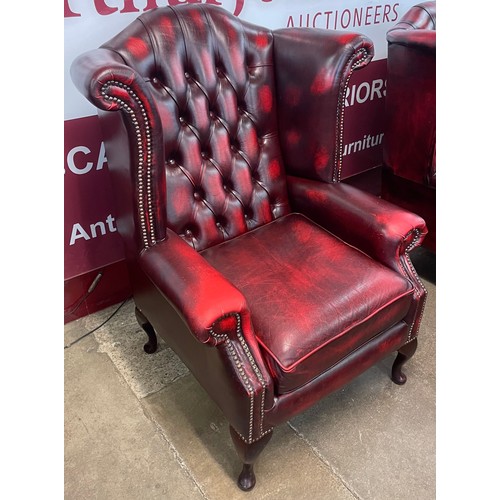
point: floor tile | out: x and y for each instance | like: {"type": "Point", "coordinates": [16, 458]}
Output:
{"type": "Point", "coordinates": [112, 450]}
{"type": "Point", "coordinates": [287, 468]}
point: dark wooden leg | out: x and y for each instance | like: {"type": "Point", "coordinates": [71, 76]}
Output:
{"type": "Point", "coordinates": [404, 354]}
{"type": "Point", "coordinates": [152, 344]}
{"type": "Point", "coordinates": [248, 454]}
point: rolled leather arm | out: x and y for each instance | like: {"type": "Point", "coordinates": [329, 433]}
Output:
{"type": "Point", "coordinates": [211, 306]}
{"type": "Point", "coordinates": [106, 81]}
{"type": "Point", "coordinates": [217, 314]}
{"type": "Point", "coordinates": [381, 229]}
{"type": "Point", "coordinates": [416, 39]}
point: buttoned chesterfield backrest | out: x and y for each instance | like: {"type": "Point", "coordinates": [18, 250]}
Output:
{"type": "Point", "coordinates": [220, 150]}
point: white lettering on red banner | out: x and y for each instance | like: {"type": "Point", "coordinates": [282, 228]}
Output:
{"type": "Point", "coordinates": [368, 141]}
{"type": "Point", "coordinates": [94, 231]}
{"type": "Point", "coordinates": [77, 159]}
{"type": "Point", "coordinates": [365, 91]}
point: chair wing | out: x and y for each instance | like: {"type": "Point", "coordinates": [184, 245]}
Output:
{"type": "Point", "coordinates": [409, 144]}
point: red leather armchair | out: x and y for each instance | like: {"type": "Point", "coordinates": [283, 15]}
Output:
{"type": "Point", "coordinates": [273, 283]}
{"type": "Point", "coordinates": [409, 144]}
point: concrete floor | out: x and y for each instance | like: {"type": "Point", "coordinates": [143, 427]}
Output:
{"type": "Point", "coordinates": [139, 426]}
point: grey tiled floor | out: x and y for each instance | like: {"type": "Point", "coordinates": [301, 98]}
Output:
{"type": "Point", "coordinates": [139, 426]}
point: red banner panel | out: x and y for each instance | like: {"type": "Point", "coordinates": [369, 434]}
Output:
{"type": "Point", "coordinates": [363, 125]}
{"type": "Point", "coordinates": [91, 240]}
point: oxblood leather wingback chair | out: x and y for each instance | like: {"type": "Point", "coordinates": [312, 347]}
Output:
{"type": "Point", "coordinates": [275, 284]}
{"type": "Point", "coordinates": [409, 145]}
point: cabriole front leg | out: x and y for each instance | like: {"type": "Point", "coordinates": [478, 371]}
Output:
{"type": "Point", "coordinates": [248, 453]}
{"type": "Point", "coordinates": [404, 354]}
{"type": "Point", "coordinates": [152, 344]}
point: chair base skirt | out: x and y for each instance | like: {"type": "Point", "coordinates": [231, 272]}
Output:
{"type": "Point", "coordinates": [291, 404]}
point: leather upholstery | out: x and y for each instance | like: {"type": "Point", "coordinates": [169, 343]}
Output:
{"type": "Point", "coordinates": [321, 299]}
{"type": "Point", "coordinates": [274, 283]}
{"type": "Point", "coordinates": [409, 145]}
{"type": "Point", "coordinates": [217, 109]}
{"type": "Point", "coordinates": [293, 403]}
{"type": "Point", "coordinates": [312, 80]}
{"type": "Point", "coordinates": [419, 17]}
{"type": "Point", "coordinates": [380, 229]}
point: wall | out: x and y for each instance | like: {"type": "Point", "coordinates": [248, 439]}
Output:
{"type": "Point", "coordinates": [91, 241]}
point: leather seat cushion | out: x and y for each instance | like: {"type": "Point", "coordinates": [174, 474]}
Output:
{"type": "Point", "coordinates": [313, 298]}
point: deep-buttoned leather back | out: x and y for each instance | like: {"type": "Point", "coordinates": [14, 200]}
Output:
{"type": "Point", "coordinates": [212, 78]}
